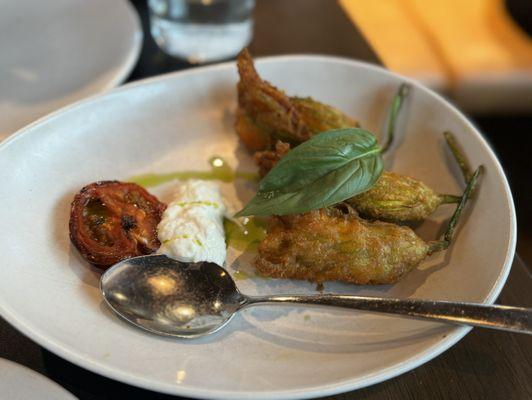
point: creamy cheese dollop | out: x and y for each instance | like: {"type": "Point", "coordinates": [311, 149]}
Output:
{"type": "Point", "coordinates": [191, 228]}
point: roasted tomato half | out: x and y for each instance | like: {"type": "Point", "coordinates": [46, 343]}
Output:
{"type": "Point", "coordinates": [111, 221]}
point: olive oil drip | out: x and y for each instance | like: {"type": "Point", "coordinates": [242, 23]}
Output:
{"type": "Point", "coordinates": [245, 235]}
{"type": "Point", "coordinates": [240, 276]}
{"type": "Point", "coordinates": [220, 170]}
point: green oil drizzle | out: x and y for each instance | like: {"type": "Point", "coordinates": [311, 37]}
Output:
{"type": "Point", "coordinates": [199, 203]}
{"type": "Point", "coordinates": [185, 236]}
{"type": "Point", "coordinates": [245, 235]}
{"type": "Point", "coordinates": [240, 276]}
{"type": "Point", "coordinates": [220, 170]}
{"type": "Point", "coordinates": [176, 238]}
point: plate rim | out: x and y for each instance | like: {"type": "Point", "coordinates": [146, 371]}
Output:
{"type": "Point", "coordinates": [454, 335]}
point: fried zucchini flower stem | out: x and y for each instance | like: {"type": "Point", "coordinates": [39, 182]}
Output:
{"type": "Point", "coordinates": [459, 156]}
{"type": "Point", "coordinates": [397, 102]}
{"type": "Point", "coordinates": [446, 240]}
{"type": "Point", "coordinates": [462, 162]}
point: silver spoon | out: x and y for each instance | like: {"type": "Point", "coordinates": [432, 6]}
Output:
{"type": "Point", "coordinates": [188, 300]}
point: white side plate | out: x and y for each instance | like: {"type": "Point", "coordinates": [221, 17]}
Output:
{"type": "Point", "coordinates": [21, 383]}
{"type": "Point", "coordinates": [60, 51]}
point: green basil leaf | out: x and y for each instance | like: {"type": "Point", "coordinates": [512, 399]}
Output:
{"type": "Point", "coordinates": [327, 169]}
{"type": "Point", "coordinates": [317, 157]}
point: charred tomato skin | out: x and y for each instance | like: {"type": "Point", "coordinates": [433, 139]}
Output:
{"type": "Point", "coordinates": [112, 220]}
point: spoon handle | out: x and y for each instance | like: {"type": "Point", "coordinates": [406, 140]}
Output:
{"type": "Point", "coordinates": [506, 318]}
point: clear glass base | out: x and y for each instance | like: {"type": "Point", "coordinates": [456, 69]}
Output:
{"type": "Point", "coordinates": [201, 42]}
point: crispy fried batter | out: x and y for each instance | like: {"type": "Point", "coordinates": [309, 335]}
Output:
{"type": "Point", "coordinates": [266, 114]}
{"type": "Point", "coordinates": [253, 137]}
{"type": "Point", "coordinates": [268, 158]}
{"type": "Point", "coordinates": [321, 117]}
{"type": "Point", "coordinates": [396, 197]}
{"type": "Point", "coordinates": [330, 245]}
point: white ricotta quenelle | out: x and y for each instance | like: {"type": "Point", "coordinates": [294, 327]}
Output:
{"type": "Point", "coordinates": [191, 228]}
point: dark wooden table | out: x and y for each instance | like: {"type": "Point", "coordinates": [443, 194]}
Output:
{"type": "Point", "coordinates": [485, 364]}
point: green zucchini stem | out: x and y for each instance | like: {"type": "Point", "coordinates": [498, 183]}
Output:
{"type": "Point", "coordinates": [397, 102]}
{"type": "Point", "coordinates": [458, 155]}
{"type": "Point", "coordinates": [446, 240]}
{"type": "Point", "coordinates": [462, 162]}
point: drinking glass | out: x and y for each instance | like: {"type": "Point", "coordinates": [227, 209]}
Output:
{"type": "Point", "coordinates": [201, 30]}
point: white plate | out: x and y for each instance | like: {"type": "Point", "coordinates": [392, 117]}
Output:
{"type": "Point", "coordinates": [60, 51]}
{"type": "Point", "coordinates": [175, 122]}
{"type": "Point", "coordinates": [21, 383]}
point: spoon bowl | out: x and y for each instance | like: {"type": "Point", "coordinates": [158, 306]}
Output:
{"type": "Point", "coordinates": [172, 298]}
{"type": "Point", "coordinates": [188, 300]}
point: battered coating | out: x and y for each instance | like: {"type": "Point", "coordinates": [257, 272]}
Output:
{"type": "Point", "coordinates": [266, 159]}
{"type": "Point", "coordinates": [266, 114]}
{"type": "Point", "coordinates": [320, 117]}
{"type": "Point", "coordinates": [398, 198]}
{"type": "Point", "coordinates": [335, 245]}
